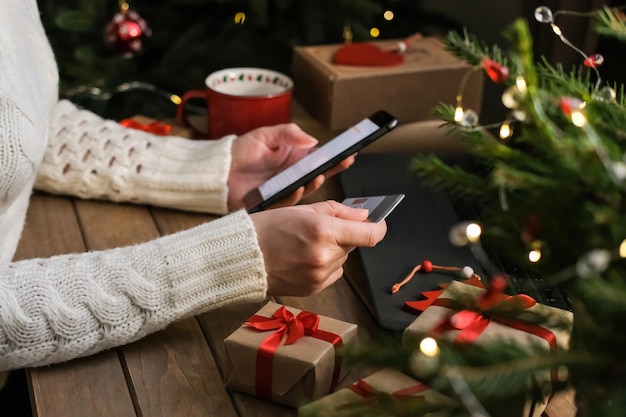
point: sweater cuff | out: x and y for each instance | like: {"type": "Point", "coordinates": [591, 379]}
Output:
{"type": "Point", "coordinates": [216, 264]}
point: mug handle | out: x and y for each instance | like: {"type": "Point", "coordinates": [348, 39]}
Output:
{"type": "Point", "coordinates": [180, 111]}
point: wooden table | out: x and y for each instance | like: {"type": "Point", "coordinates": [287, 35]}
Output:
{"type": "Point", "coordinates": [177, 371]}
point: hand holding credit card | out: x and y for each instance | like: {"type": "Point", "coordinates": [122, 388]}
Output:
{"type": "Point", "coordinates": [379, 206]}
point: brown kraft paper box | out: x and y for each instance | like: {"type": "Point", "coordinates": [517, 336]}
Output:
{"type": "Point", "coordinates": [338, 96]}
{"type": "Point", "coordinates": [301, 372]}
{"type": "Point", "coordinates": [387, 380]}
{"type": "Point", "coordinates": [435, 314]}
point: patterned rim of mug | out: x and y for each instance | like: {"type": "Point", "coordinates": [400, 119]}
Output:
{"type": "Point", "coordinates": [257, 75]}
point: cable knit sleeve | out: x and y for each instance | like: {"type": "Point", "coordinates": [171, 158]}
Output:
{"type": "Point", "coordinates": [56, 309]}
{"type": "Point", "coordinates": [94, 158]}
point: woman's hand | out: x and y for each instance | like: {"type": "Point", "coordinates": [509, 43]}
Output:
{"type": "Point", "coordinates": [262, 153]}
{"type": "Point", "coordinates": [304, 247]}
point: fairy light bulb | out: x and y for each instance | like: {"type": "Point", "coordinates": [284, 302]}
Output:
{"type": "Point", "coordinates": [520, 83]}
{"type": "Point", "coordinates": [535, 253]}
{"type": "Point", "coordinates": [429, 347]}
{"type": "Point", "coordinates": [473, 232]}
{"type": "Point", "coordinates": [622, 249]}
{"type": "Point", "coordinates": [557, 30]}
{"type": "Point", "coordinates": [578, 118]}
{"type": "Point", "coordinates": [593, 262]}
{"type": "Point", "coordinates": [388, 15]}
{"type": "Point", "coordinates": [374, 32]}
{"type": "Point", "coordinates": [458, 113]}
{"type": "Point", "coordinates": [505, 130]}
{"type": "Point", "coordinates": [240, 18]}
{"type": "Point", "coordinates": [544, 15]}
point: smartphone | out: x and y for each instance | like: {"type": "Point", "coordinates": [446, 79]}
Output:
{"type": "Point", "coordinates": [319, 161]}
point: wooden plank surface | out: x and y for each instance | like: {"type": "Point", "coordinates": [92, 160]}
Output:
{"type": "Point", "coordinates": [172, 373]}
{"type": "Point", "coordinates": [66, 389]}
{"type": "Point", "coordinates": [177, 371]}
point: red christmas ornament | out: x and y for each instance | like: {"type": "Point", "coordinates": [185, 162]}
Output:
{"type": "Point", "coordinates": [127, 33]}
{"type": "Point", "coordinates": [496, 71]}
{"type": "Point", "coordinates": [567, 104]}
{"type": "Point", "coordinates": [594, 61]}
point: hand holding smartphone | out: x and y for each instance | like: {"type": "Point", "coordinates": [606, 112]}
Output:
{"type": "Point", "coordinates": [319, 161]}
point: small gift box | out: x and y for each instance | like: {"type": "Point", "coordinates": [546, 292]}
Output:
{"type": "Point", "coordinates": [286, 355]}
{"type": "Point", "coordinates": [447, 314]}
{"type": "Point", "coordinates": [364, 395]}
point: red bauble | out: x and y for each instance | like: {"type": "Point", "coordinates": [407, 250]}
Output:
{"type": "Point", "coordinates": [496, 71]}
{"type": "Point", "coordinates": [594, 61]}
{"type": "Point", "coordinates": [427, 266]}
{"type": "Point", "coordinates": [127, 33]}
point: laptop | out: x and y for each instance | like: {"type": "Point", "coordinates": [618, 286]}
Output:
{"type": "Point", "coordinates": [418, 230]}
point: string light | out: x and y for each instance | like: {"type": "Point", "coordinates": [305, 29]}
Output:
{"type": "Point", "coordinates": [388, 15]}
{"type": "Point", "coordinates": [465, 232]}
{"type": "Point", "coordinates": [506, 130]}
{"type": "Point", "coordinates": [374, 32]}
{"type": "Point", "coordinates": [544, 15]}
{"type": "Point", "coordinates": [240, 18]}
{"type": "Point", "coordinates": [429, 347]}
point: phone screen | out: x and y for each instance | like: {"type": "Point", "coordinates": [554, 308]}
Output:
{"type": "Point", "coordinates": [320, 160]}
{"type": "Point", "coordinates": [317, 158]}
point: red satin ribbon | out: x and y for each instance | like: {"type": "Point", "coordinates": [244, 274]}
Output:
{"type": "Point", "coordinates": [365, 390]}
{"type": "Point", "coordinates": [471, 323]}
{"type": "Point", "coordinates": [293, 328]}
{"type": "Point", "coordinates": [156, 128]}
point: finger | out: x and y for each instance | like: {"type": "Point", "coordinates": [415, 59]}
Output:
{"type": "Point", "coordinates": [313, 185]}
{"type": "Point", "coordinates": [291, 199]}
{"type": "Point", "coordinates": [291, 134]}
{"type": "Point", "coordinates": [343, 165]}
{"type": "Point", "coordinates": [342, 211]}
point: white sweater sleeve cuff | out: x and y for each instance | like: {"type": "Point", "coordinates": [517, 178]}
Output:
{"type": "Point", "coordinates": [90, 157]}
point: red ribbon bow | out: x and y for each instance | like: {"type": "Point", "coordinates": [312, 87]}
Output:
{"type": "Point", "coordinates": [472, 323]}
{"type": "Point", "coordinates": [157, 128]}
{"type": "Point", "coordinates": [293, 328]}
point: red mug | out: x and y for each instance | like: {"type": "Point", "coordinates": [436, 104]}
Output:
{"type": "Point", "coordinates": [241, 99]}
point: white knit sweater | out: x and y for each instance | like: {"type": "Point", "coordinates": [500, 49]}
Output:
{"type": "Point", "coordinates": [68, 306]}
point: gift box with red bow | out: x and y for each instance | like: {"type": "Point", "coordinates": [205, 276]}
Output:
{"type": "Point", "coordinates": [470, 313]}
{"type": "Point", "coordinates": [369, 392]}
{"type": "Point", "coordinates": [287, 355]}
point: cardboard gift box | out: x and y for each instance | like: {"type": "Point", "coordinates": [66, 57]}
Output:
{"type": "Point", "coordinates": [338, 96]}
{"type": "Point", "coordinates": [287, 355]}
{"type": "Point", "coordinates": [445, 317]}
{"type": "Point", "coordinates": [386, 381]}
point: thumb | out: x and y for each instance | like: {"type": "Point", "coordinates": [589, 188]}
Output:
{"type": "Point", "coordinates": [291, 134]}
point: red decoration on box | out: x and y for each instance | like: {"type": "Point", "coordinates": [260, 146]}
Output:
{"type": "Point", "coordinates": [157, 128]}
{"type": "Point", "coordinates": [291, 328]}
{"type": "Point", "coordinates": [366, 54]}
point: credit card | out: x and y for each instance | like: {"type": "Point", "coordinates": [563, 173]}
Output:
{"type": "Point", "coordinates": [379, 206]}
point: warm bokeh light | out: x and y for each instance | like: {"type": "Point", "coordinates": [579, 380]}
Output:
{"type": "Point", "coordinates": [458, 114]}
{"type": "Point", "coordinates": [374, 32]}
{"type": "Point", "coordinates": [473, 232]}
{"type": "Point", "coordinates": [429, 347]}
{"type": "Point", "coordinates": [388, 15]}
{"type": "Point", "coordinates": [240, 17]}
{"type": "Point", "coordinates": [622, 249]}
{"type": "Point", "coordinates": [578, 118]}
{"type": "Point", "coordinates": [534, 255]}
{"type": "Point", "coordinates": [505, 130]}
